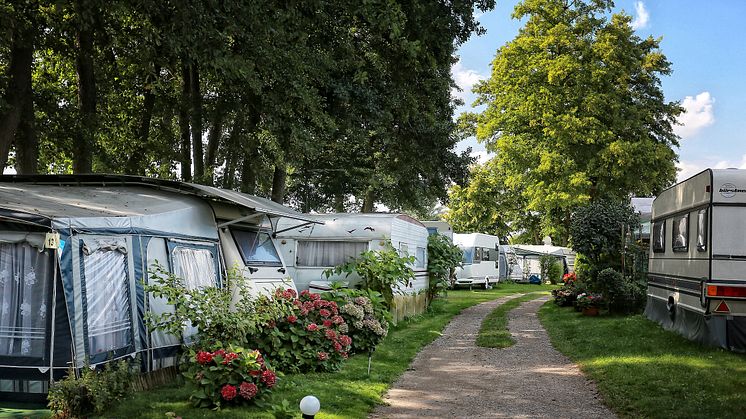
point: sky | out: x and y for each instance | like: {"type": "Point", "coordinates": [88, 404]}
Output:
{"type": "Point", "coordinates": [704, 40]}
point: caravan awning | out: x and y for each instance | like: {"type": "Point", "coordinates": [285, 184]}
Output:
{"type": "Point", "coordinates": [251, 202]}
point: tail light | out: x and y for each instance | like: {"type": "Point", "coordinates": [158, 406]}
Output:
{"type": "Point", "coordinates": [726, 291]}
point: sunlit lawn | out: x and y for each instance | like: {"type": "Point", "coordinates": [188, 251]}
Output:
{"type": "Point", "coordinates": [350, 393]}
{"type": "Point", "coordinates": [644, 371]}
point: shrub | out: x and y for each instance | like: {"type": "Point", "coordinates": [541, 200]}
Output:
{"type": "Point", "coordinates": [587, 300]}
{"type": "Point", "coordinates": [227, 376]}
{"type": "Point", "coordinates": [554, 273]}
{"type": "Point", "coordinates": [209, 309]}
{"type": "Point", "coordinates": [380, 270]}
{"type": "Point", "coordinates": [366, 316]}
{"type": "Point", "coordinates": [91, 393]}
{"type": "Point", "coordinates": [443, 257]}
{"type": "Point", "coordinates": [624, 294]}
{"type": "Point", "coordinates": [304, 333]}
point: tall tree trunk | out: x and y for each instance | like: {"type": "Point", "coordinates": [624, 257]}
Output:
{"type": "Point", "coordinates": [369, 200]}
{"type": "Point", "coordinates": [135, 163]}
{"type": "Point", "coordinates": [339, 202]}
{"type": "Point", "coordinates": [248, 175]}
{"type": "Point", "coordinates": [186, 142]}
{"type": "Point", "coordinates": [27, 142]}
{"type": "Point", "coordinates": [213, 141]}
{"type": "Point", "coordinates": [83, 141]}
{"type": "Point", "coordinates": [279, 178]}
{"type": "Point", "coordinates": [19, 75]}
{"type": "Point", "coordinates": [199, 165]}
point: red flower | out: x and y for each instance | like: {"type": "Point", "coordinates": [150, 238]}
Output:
{"type": "Point", "coordinates": [305, 293]}
{"type": "Point", "coordinates": [269, 378]}
{"type": "Point", "coordinates": [312, 327]}
{"type": "Point", "coordinates": [337, 346]}
{"type": "Point", "coordinates": [325, 313]}
{"type": "Point", "coordinates": [345, 340]}
{"type": "Point", "coordinates": [248, 390]}
{"type": "Point", "coordinates": [315, 297]}
{"type": "Point", "coordinates": [327, 323]}
{"type": "Point", "coordinates": [204, 357]}
{"type": "Point", "coordinates": [338, 320]}
{"type": "Point", "coordinates": [228, 392]}
{"type": "Point", "coordinates": [330, 334]}
{"type": "Point", "coordinates": [323, 356]}
{"type": "Point", "coordinates": [230, 356]}
{"type": "Point", "coordinates": [255, 373]}
{"type": "Point", "coordinates": [292, 319]}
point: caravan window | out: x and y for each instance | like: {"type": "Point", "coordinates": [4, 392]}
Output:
{"type": "Point", "coordinates": [326, 254]}
{"type": "Point", "coordinates": [659, 236]}
{"type": "Point", "coordinates": [257, 248]}
{"type": "Point", "coordinates": [702, 230]}
{"type": "Point", "coordinates": [195, 266]}
{"type": "Point", "coordinates": [680, 233]}
{"type": "Point", "coordinates": [486, 256]}
{"type": "Point", "coordinates": [477, 254]}
{"type": "Point", "coordinates": [468, 255]}
{"type": "Point", "coordinates": [107, 296]}
{"type": "Point", "coordinates": [24, 291]}
{"type": "Point", "coordinates": [421, 258]}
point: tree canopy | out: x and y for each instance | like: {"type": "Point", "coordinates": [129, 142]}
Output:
{"type": "Point", "coordinates": [319, 104]}
{"type": "Point", "coordinates": [575, 112]}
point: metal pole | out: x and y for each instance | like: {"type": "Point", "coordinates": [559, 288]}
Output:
{"type": "Point", "coordinates": [54, 319]}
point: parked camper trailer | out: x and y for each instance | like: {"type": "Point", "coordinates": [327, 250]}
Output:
{"type": "Point", "coordinates": [311, 249]}
{"type": "Point", "coordinates": [481, 259]}
{"type": "Point", "coordinates": [73, 252]}
{"type": "Point", "coordinates": [439, 227]}
{"type": "Point", "coordinates": [529, 257]}
{"type": "Point", "coordinates": [697, 264]}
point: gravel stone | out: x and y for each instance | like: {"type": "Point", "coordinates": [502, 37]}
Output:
{"type": "Point", "coordinates": [454, 378]}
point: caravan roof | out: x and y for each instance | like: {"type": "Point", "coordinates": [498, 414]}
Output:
{"type": "Point", "coordinates": [708, 186]}
{"type": "Point", "coordinates": [103, 196]}
{"type": "Point", "coordinates": [369, 225]}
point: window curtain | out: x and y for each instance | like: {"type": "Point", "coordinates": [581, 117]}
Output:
{"type": "Point", "coordinates": [107, 296]}
{"type": "Point", "coordinates": [328, 253]}
{"type": "Point", "coordinates": [24, 293]}
{"type": "Point", "coordinates": [196, 267]}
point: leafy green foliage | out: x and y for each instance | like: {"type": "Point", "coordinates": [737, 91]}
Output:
{"type": "Point", "coordinates": [382, 271]}
{"type": "Point", "coordinates": [443, 257]}
{"type": "Point", "coordinates": [597, 232]}
{"type": "Point", "coordinates": [554, 272]}
{"type": "Point", "coordinates": [366, 315]}
{"type": "Point", "coordinates": [303, 333]}
{"type": "Point", "coordinates": [210, 309]}
{"type": "Point", "coordinates": [574, 110]}
{"type": "Point", "coordinates": [91, 393]}
{"type": "Point", "coordinates": [227, 376]}
{"type": "Point", "coordinates": [625, 295]}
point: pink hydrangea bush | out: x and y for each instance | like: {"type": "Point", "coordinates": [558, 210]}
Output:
{"type": "Point", "coordinates": [302, 332]}
{"type": "Point", "coordinates": [229, 376]}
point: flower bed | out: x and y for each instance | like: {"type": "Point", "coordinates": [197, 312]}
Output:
{"type": "Point", "coordinates": [303, 333]}
{"type": "Point", "coordinates": [229, 376]}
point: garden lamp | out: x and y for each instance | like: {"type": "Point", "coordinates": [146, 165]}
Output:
{"type": "Point", "coordinates": [309, 406]}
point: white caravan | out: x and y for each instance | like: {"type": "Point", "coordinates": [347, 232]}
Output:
{"type": "Point", "coordinates": [481, 259]}
{"type": "Point", "coordinates": [697, 264]}
{"type": "Point", "coordinates": [529, 256]}
{"type": "Point", "coordinates": [439, 227]}
{"type": "Point", "coordinates": [309, 250]}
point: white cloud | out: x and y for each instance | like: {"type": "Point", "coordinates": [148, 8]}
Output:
{"type": "Point", "coordinates": [688, 169]}
{"type": "Point", "coordinates": [698, 113]}
{"type": "Point", "coordinates": [482, 156]}
{"type": "Point", "coordinates": [465, 79]}
{"type": "Point", "coordinates": [642, 17]}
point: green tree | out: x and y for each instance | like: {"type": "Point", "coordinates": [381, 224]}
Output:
{"type": "Point", "coordinates": [488, 205]}
{"type": "Point", "coordinates": [575, 111]}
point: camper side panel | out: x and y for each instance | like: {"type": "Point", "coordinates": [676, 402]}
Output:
{"type": "Point", "coordinates": [411, 239]}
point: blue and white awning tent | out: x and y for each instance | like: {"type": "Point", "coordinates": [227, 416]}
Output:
{"type": "Point", "coordinates": [74, 252]}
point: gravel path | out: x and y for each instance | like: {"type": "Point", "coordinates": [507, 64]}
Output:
{"type": "Point", "coordinates": [452, 377]}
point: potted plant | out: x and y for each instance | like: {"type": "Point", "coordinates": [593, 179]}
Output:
{"type": "Point", "coordinates": [589, 303]}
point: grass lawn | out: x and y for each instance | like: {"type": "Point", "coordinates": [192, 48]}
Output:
{"type": "Point", "coordinates": [644, 371]}
{"type": "Point", "coordinates": [494, 331]}
{"type": "Point", "coordinates": [349, 393]}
